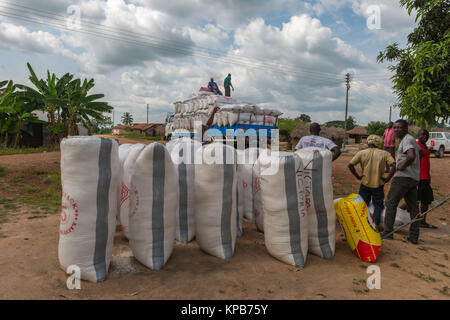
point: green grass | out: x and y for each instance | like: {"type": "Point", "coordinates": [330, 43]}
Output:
{"type": "Point", "coordinates": [444, 291]}
{"type": "Point", "coordinates": [9, 151]}
{"type": "Point", "coordinates": [135, 136]}
{"type": "Point", "coordinates": [445, 256]}
{"type": "Point", "coordinates": [395, 265]}
{"type": "Point", "coordinates": [40, 189]}
{"type": "Point", "coordinates": [2, 171]}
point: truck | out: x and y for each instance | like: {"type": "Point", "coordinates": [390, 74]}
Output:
{"type": "Point", "coordinates": [439, 143]}
{"type": "Point", "coordinates": [234, 119]}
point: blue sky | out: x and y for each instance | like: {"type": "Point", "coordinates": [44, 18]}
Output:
{"type": "Point", "coordinates": [290, 55]}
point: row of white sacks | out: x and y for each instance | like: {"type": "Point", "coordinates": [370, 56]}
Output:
{"type": "Point", "coordinates": [208, 102]}
{"type": "Point", "coordinates": [159, 198]}
{"type": "Point", "coordinates": [223, 119]}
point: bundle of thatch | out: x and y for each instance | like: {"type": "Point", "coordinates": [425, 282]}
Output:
{"type": "Point", "coordinates": [336, 135]}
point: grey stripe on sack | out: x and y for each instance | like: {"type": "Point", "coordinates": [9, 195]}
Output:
{"type": "Point", "coordinates": [101, 227]}
{"type": "Point", "coordinates": [158, 206]}
{"type": "Point", "coordinates": [227, 204]}
{"type": "Point", "coordinates": [183, 215]}
{"type": "Point", "coordinates": [319, 205]}
{"type": "Point", "coordinates": [293, 214]}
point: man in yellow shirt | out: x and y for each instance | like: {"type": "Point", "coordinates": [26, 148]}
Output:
{"type": "Point", "coordinates": [373, 164]}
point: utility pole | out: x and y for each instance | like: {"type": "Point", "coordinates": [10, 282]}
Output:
{"type": "Point", "coordinates": [113, 118]}
{"type": "Point", "coordinates": [347, 80]}
{"type": "Point", "coordinates": [390, 113]}
{"type": "Point", "coordinates": [147, 113]}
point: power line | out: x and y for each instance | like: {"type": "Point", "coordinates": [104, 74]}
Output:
{"type": "Point", "coordinates": [178, 45]}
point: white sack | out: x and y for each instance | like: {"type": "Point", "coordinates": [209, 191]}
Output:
{"type": "Point", "coordinates": [283, 203]}
{"type": "Point", "coordinates": [182, 152]}
{"type": "Point", "coordinates": [246, 160]}
{"type": "Point", "coordinates": [319, 201]}
{"type": "Point", "coordinates": [124, 150]}
{"type": "Point", "coordinates": [215, 201]}
{"type": "Point", "coordinates": [154, 203]}
{"type": "Point", "coordinates": [89, 177]}
{"type": "Point", "coordinates": [128, 168]}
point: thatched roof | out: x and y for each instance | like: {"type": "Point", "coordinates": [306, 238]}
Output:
{"type": "Point", "coordinates": [335, 134]}
{"type": "Point", "coordinates": [361, 131]}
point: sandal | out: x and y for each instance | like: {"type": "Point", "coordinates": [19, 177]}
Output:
{"type": "Point", "coordinates": [427, 225]}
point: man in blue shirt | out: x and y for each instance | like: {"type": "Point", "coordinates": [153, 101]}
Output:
{"type": "Point", "coordinates": [213, 87]}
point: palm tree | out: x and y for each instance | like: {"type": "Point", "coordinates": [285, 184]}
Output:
{"type": "Point", "coordinates": [66, 102]}
{"type": "Point", "coordinates": [127, 118]}
{"type": "Point", "coordinates": [50, 95]}
{"type": "Point", "coordinates": [82, 107]}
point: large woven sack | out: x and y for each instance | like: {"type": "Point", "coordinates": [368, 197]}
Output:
{"type": "Point", "coordinates": [283, 206]}
{"type": "Point", "coordinates": [124, 151]}
{"type": "Point", "coordinates": [245, 164]}
{"type": "Point", "coordinates": [128, 168]}
{"type": "Point", "coordinates": [215, 200]}
{"type": "Point", "coordinates": [182, 152]}
{"type": "Point", "coordinates": [319, 201]}
{"type": "Point", "coordinates": [89, 177]}
{"type": "Point", "coordinates": [153, 206]}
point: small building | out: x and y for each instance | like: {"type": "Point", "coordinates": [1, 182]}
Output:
{"type": "Point", "coordinates": [142, 129]}
{"type": "Point", "coordinates": [120, 130]}
{"type": "Point", "coordinates": [358, 133]}
{"type": "Point", "coordinates": [149, 129]}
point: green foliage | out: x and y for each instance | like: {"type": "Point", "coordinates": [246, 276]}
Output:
{"type": "Point", "coordinates": [304, 118]}
{"type": "Point", "coordinates": [127, 118]}
{"type": "Point", "coordinates": [66, 102]}
{"type": "Point", "coordinates": [288, 124]}
{"type": "Point", "coordinates": [376, 127]}
{"type": "Point", "coordinates": [351, 123]}
{"type": "Point", "coordinates": [422, 73]}
{"type": "Point", "coordinates": [135, 136]}
{"type": "Point", "coordinates": [99, 126]}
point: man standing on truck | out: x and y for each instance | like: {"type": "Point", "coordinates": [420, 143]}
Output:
{"type": "Point", "coordinates": [314, 140]}
{"type": "Point", "coordinates": [227, 84]}
{"type": "Point", "coordinates": [214, 88]}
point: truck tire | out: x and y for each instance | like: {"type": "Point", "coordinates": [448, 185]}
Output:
{"type": "Point", "coordinates": [441, 152]}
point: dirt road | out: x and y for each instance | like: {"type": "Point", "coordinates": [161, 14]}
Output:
{"type": "Point", "coordinates": [29, 267]}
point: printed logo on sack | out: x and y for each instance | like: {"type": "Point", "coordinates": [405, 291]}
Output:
{"type": "Point", "coordinates": [134, 199]}
{"type": "Point", "coordinates": [124, 194]}
{"type": "Point", "coordinates": [69, 214]}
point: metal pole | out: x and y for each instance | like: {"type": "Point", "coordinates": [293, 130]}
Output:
{"type": "Point", "coordinates": [147, 113]}
{"type": "Point", "coordinates": [390, 113]}
{"type": "Point", "coordinates": [347, 76]}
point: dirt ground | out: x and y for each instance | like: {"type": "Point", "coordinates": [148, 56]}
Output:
{"type": "Point", "coordinates": [29, 267]}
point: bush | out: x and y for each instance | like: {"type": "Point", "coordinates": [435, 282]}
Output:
{"type": "Point", "coordinates": [288, 124]}
{"type": "Point", "coordinates": [376, 127]}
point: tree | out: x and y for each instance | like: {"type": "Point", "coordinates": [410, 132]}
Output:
{"type": "Point", "coordinates": [15, 112]}
{"type": "Point", "coordinates": [101, 126]}
{"type": "Point", "coordinates": [351, 123]}
{"type": "Point", "coordinates": [376, 127]}
{"type": "Point", "coordinates": [421, 78]}
{"type": "Point", "coordinates": [81, 107]}
{"type": "Point", "coordinates": [127, 118]}
{"type": "Point", "coordinates": [304, 118]}
{"type": "Point", "coordinates": [66, 102]}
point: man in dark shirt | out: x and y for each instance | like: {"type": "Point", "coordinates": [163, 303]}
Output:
{"type": "Point", "coordinates": [213, 87]}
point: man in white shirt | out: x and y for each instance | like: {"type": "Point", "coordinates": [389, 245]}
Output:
{"type": "Point", "coordinates": [314, 140]}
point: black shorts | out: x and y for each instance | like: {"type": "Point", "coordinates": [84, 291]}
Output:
{"type": "Point", "coordinates": [424, 192]}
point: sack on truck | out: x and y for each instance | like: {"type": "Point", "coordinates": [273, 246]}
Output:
{"type": "Point", "coordinates": [153, 205]}
{"type": "Point", "coordinates": [124, 195]}
{"type": "Point", "coordinates": [90, 178]}
{"type": "Point", "coordinates": [283, 206]}
{"type": "Point", "coordinates": [182, 151]}
{"type": "Point", "coordinates": [215, 200]}
{"type": "Point", "coordinates": [319, 201]}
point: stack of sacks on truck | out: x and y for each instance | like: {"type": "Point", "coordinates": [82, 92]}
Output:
{"type": "Point", "coordinates": [199, 108]}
